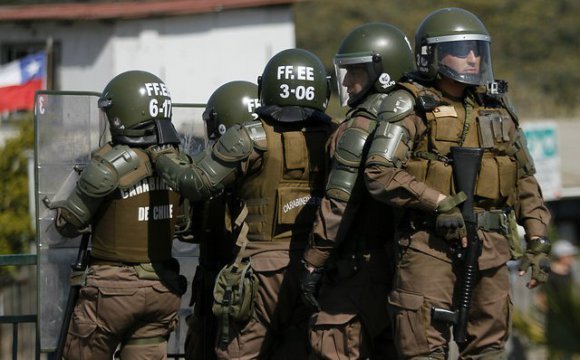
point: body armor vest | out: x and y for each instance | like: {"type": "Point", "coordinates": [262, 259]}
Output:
{"type": "Point", "coordinates": [283, 195]}
{"type": "Point", "coordinates": [136, 223]}
{"type": "Point", "coordinates": [477, 121]}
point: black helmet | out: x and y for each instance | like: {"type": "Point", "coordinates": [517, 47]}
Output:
{"type": "Point", "coordinates": [138, 107]}
{"type": "Point", "coordinates": [232, 103]}
{"type": "Point", "coordinates": [381, 50]}
{"type": "Point", "coordinates": [294, 77]}
{"type": "Point", "coordinates": [460, 34]}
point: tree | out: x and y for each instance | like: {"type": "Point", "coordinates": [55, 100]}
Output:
{"type": "Point", "coordinates": [15, 227]}
{"type": "Point", "coordinates": [535, 43]}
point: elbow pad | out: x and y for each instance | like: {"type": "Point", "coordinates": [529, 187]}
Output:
{"type": "Point", "coordinates": [183, 176]}
{"type": "Point", "coordinates": [212, 170]}
{"type": "Point", "coordinates": [346, 164]}
{"type": "Point", "coordinates": [121, 166]}
{"type": "Point", "coordinates": [75, 213]}
{"type": "Point", "coordinates": [390, 146]}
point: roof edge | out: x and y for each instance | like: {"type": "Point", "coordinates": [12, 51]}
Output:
{"type": "Point", "coordinates": [127, 9]}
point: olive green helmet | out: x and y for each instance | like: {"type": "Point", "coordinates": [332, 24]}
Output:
{"type": "Point", "coordinates": [294, 77]}
{"type": "Point", "coordinates": [232, 103]}
{"type": "Point", "coordinates": [381, 50]}
{"type": "Point", "coordinates": [457, 33]}
{"type": "Point", "coordinates": [138, 107]}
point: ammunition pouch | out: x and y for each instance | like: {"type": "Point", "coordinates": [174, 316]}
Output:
{"type": "Point", "coordinates": [345, 167]}
{"type": "Point", "coordinates": [493, 221]}
{"type": "Point", "coordinates": [234, 292]}
{"type": "Point", "coordinates": [523, 157]}
{"type": "Point", "coordinates": [514, 241]}
{"type": "Point", "coordinates": [146, 271]}
{"type": "Point", "coordinates": [79, 278]}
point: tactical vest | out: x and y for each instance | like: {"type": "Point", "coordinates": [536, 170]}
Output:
{"type": "Point", "coordinates": [135, 223]}
{"type": "Point", "coordinates": [283, 195]}
{"type": "Point", "coordinates": [475, 122]}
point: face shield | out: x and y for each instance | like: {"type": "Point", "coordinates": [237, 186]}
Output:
{"type": "Point", "coordinates": [463, 58]}
{"type": "Point", "coordinates": [105, 135]}
{"type": "Point", "coordinates": [355, 76]}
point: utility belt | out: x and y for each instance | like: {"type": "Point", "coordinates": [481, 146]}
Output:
{"type": "Point", "coordinates": [167, 272]}
{"type": "Point", "coordinates": [347, 264]}
{"type": "Point", "coordinates": [486, 220]}
{"type": "Point", "coordinates": [144, 271]}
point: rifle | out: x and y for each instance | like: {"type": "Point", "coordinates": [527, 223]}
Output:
{"type": "Point", "coordinates": [466, 163]}
{"type": "Point", "coordinates": [79, 265]}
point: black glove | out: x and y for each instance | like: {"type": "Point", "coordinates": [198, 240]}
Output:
{"type": "Point", "coordinates": [449, 223]}
{"type": "Point", "coordinates": [310, 284]}
{"type": "Point", "coordinates": [537, 257]}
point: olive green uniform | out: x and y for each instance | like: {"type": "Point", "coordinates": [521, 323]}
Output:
{"type": "Point", "coordinates": [425, 273]}
{"type": "Point", "coordinates": [131, 291]}
{"type": "Point", "coordinates": [354, 250]}
{"type": "Point", "coordinates": [278, 170]}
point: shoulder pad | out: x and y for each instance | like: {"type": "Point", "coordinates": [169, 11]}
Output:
{"type": "Point", "coordinates": [234, 145]}
{"type": "Point", "coordinates": [396, 106]}
{"type": "Point", "coordinates": [257, 133]}
{"type": "Point", "coordinates": [370, 106]}
{"type": "Point", "coordinates": [426, 99]}
{"type": "Point", "coordinates": [121, 166]}
{"type": "Point", "coordinates": [350, 146]}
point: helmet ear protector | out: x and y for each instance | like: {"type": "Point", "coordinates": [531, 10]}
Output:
{"type": "Point", "coordinates": [209, 117]}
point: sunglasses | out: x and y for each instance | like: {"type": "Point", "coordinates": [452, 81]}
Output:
{"type": "Point", "coordinates": [460, 49]}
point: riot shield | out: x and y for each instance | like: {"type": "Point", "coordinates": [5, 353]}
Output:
{"type": "Point", "coordinates": [68, 127]}
{"type": "Point", "coordinates": [190, 127]}
{"type": "Point", "coordinates": [187, 119]}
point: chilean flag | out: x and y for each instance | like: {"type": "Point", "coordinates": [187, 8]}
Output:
{"type": "Point", "coordinates": [19, 80]}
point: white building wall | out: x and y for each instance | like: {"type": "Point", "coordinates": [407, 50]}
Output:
{"type": "Point", "coordinates": [193, 54]}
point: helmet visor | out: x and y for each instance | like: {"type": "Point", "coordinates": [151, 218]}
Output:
{"type": "Point", "coordinates": [354, 76]}
{"type": "Point", "coordinates": [465, 61]}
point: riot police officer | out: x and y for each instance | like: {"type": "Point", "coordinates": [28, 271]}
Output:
{"type": "Point", "coordinates": [232, 103]}
{"type": "Point", "coordinates": [131, 291]}
{"type": "Point", "coordinates": [348, 242]}
{"type": "Point", "coordinates": [455, 102]}
{"type": "Point", "coordinates": [276, 165]}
